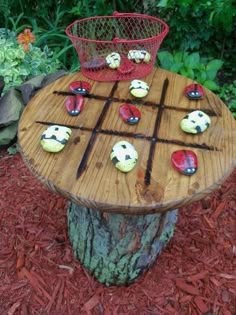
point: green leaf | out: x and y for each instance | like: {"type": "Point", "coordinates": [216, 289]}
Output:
{"type": "Point", "coordinates": [211, 74]}
{"type": "Point", "coordinates": [232, 105]}
{"type": "Point", "coordinates": [190, 73]}
{"type": "Point", "coordinates": [211, 85]}
{"type": "Point", "coordinates": [201, 77]}
{"type": "Point", "coordinates": [10, 54]}
{"type": "Point", "coordinates": [187, 72]}
{"type": "Point", "coordinates": [24, 71]}
{"type": "Point", "coordinates": [2, 57]}
{"type": "Point", "coordinates": [166, 59]}
{"type": "Point", "coordinates": [178, 56]}
{"type": "Point", "coordinates": [184, 72]}
{"type": "Point", "coordinates": [192, 60]}
{"type": "Point", "coordinates": [176, 67]}
{"type": "Point", "coordinates": [162, 3]}
{"type": "Point", "coordinates": [20, 54]}
{"type": "Point", "coordinates": [215, 64]}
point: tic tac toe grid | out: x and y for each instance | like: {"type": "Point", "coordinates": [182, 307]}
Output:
{"type": "Point", "coordinates": [83, 171]}
{"type": "Point", "coordinates": [153, 137]}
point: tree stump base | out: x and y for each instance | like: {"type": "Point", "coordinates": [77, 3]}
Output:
{"type": "Point", "coordinates": [117, 248]}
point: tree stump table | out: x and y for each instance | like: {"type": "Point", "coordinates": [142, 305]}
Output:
{"type": "Point", "coordinates": [119, 222]}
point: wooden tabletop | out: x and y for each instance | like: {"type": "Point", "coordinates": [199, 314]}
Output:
{"type": "Point", "coordinates": [153, 185]}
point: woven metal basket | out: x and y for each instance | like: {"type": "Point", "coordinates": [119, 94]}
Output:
{"type": "Point", "coordinates": [118, 47]}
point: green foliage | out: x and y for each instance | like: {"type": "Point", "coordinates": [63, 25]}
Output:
{"type": "Point", "coordinates": [49, 29]}
{"type": "Point", "coordinates": [191, 65]}
{"type": "Point", "coordinates": [17, 66]}
{"type": "Point", "coordinates": [228, 95]}
{"type": "Point", "coordinates": [199, 21]}
{"type": "Point", "coordinates": [204, 26]}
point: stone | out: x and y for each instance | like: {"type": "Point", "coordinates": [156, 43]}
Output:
{"type": "Point", "coordinates": [124, 156]}
{"type": "Point", "coordinates": [139, 56]}
{"type": "Point", "coordinates": [126, 66]}
{"type": "Point", "coordinates": [94, 64]}
{"type": "Point", "coordinates": [74, 104]}
{"type": "Point", "coordinates": [185, 161]}
{"type": "Point", "coordinates": [130, 113]}
{"type": "Point", "coordinates": [80, 87]}
{"type": "Point", "coordinates": [138, 88]}
{"type": "Point", "coordinates": [194, 91]}
{"type": "Point", "coordinates": [195, 122]}
{"type": "Point", "coordinates": [54, 138]}
{"type": "Point", "coordinates": [113, 60]}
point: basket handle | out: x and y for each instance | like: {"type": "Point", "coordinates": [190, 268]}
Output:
{"type": "Point", "coordinates": [121, 14]}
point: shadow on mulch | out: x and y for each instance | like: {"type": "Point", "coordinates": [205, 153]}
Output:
{"type": "Point", "coordinates": [195, 274]}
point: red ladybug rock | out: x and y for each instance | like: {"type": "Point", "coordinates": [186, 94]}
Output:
{"type": "Point", "coordinates": [80, 87]}
{"type": "Point", "coordinates": [194, 91]}
{"type": "Point", "coordinates": [74, 104]}
{"type": "Point", "coordinates": [95, 64]}
{"type": "Point", "coordinates": [185, 161]}
{"type": "Point", "coordinates": [126, 66]}
{"type": "Point", "coordinates": [130, 113]}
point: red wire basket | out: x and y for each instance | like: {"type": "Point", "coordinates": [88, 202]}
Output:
{"type": "Point", "coordinates": [118, 47]}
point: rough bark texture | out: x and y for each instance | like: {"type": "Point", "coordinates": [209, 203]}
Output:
{"type": "Point", "coordinates": [117, 248]}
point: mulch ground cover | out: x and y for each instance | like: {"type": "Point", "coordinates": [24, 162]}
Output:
{"type": "Point", "coordinates": [195, 274]}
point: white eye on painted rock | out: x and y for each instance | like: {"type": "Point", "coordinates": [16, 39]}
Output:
{"type": "Point", "coordinates": [138, 88]}
{"type": "Point", "coordinates": [139, 56]}
{"type": "Point", "coordinates": [54, 138]}
{"type": "Point", "coordinates": [195, 122]}
{"type": "Point", "coordinates": [113, 60]}
{"type": "Point", "coordinates": [124, 156]}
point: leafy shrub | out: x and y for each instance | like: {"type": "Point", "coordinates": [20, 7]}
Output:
{"type": "Point", "coordinates": [228, 94]}
{"type": "Point", "coordinates": [191, 65]}
{"type": "Point", "coordinates": [205, 26]}
{"type": "Point", "coordinates": [18, 65]}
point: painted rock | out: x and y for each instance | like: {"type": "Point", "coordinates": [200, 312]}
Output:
{"type": "Point", "coordinates": [124, 156]}
{"type": "Point", "coordinates": [130, 113]}
{"type": "Point", "coordinates": [80, 87]}
{"type": "Point", "coordinates": [185, 161]}
{"type": "Point", "coordinates": [138, 88]}
{"type": "Point", "coordinates": [95, 64]}
{"type": "Point", "coordinates": [195, 122]}
{"type": "Point", "coordinates": [54, 138]}
{"type": "Point", "coordinates": [74, 104]}
{"type": "Point", "coordinates": [194, 91]}
{"type": "Point", "coordinates": [139, 56]}
{"type": "Point", "coordinates": [126, 66]}
{"type": "Point", "coordinates": [113, 60]}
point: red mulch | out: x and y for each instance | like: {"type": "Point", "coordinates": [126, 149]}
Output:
{"type": "Point", "coordinates": [194, 275]}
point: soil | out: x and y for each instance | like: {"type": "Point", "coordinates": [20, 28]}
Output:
{"type": "Point", "coordinates": [195, 274]}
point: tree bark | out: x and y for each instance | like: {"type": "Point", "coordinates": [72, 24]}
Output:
{"type": "Point", "coordinates": [116, 248]}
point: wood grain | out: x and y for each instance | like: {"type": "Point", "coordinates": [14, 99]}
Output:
{"type": "Point", "coordinates": [100, 185]}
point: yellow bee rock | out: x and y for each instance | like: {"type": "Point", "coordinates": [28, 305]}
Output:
{"type": "Point", "coordinates": [54, 138]}
{"type": "Point", "coordinates": [124, 156]}
{"type": "Point", "coordinates": [139, 56]}
{"type": "Point", "coordinates": [113, 60]}
{"type": "Point", "coordinates": [138, 88]}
